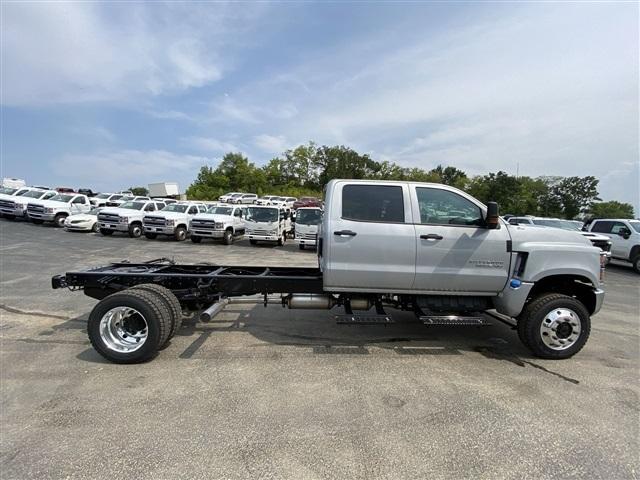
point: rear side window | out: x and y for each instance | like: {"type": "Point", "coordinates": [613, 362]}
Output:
{"type": "Point", "coordinates": [442, 207]}
{"type": "Point", "coordinates": [373, 203]}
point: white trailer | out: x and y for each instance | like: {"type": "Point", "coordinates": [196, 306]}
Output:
{"type": "Point", "coordinates": [164, 189]}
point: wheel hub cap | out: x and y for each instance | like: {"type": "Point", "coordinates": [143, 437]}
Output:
{"type": "Point", "coordinates": [123, 329]}
{"type": "Point", "coordinates": [560, 328]}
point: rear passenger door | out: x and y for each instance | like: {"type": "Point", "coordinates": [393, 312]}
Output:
{"type": "Point", "coordinates": [371, 242]}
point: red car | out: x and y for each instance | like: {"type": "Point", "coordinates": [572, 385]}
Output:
{"type": "Point", "coordinates": [65, 190]}
{"type": "Point", "coordinates": [307, 202]}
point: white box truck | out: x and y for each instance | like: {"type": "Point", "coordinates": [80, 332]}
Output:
{"type": "Point", "coordinates": [164, 189]}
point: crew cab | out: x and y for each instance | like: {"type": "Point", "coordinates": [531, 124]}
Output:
{"type": "Point", "coordinates": [127, 217]}
{"type": "Point", "coordinates": [16, 206]}
{"type": "Point", "coordinates": [429, 249]}
{"type": "Point", "coordinates": [224, 222]}
{"type": "Point", "coordinates": [172, 220]}
{"type": "Point", "coordinates": [601, 241]}
{"type": "Point", "coordinates": [57, 208]}
{"type": "Point", "coordinates": [269, 224]}
{"type": "Point", "coordinates": [624, 235]}
{"type": "Point", "coordinates": [306, 226]}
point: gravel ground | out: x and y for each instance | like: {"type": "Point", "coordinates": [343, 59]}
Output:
{"type": "Point", "coordinates": [274, 393]}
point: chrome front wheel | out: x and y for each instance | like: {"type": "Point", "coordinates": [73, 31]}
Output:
{"type": "Point", "coordinates": [560, 328]}
{"type": "Point", "coordinates": [123, 329]}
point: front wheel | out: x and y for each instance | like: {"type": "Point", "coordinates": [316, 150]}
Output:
{"type": "Point", "coordinates": [135, 230]}
{"type": "Point", "coordinates": [59, 220]}
{"type": "Point", "coordinates": [227, 239]}
{"type": "Point", "coordinates": [554, 326]}
{"type": "Point", "coordinates": [180, 234]}
{"type": "Point", "coordinates": [95, 228]}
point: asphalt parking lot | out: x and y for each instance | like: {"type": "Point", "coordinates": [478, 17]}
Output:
{"type": "Point", "coordinates": [275, 393]}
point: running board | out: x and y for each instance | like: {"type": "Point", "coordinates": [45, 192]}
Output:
{"type": "Point", "coordinates": [364, 319]}
{"type": "Point", "coordinates": [452, 320]}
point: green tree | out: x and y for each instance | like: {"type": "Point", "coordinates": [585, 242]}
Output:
{"type": "Point", "coordinates": [139, 191]}
{"type": "Point", "coordinates": [342, 162]}
{"type": "Point", "coordinates": [576, 195]}
{"type": "Point", "coordinates": [611, 209]}
{"type": "Point", "coordinates": [450, 176]}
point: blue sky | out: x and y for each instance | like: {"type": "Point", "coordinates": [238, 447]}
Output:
{"type": "Point", "coordinates": [109, 95]}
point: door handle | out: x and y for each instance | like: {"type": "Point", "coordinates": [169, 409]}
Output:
{"type": "Point", "coordinates": [347, 233]}
{"type": "Point", "coordinates": [431, 236]}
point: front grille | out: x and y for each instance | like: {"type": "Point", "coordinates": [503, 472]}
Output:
{"type": "Point", "coordinates": [108, 218]}
{"type": "Point", "coordinates": [603, 245]}
{"type": "Point", "coordinates": [204, 224]}
{"type": "Point", "coordinates": [75, 222]}
{"type": "Point", "coordinates": [156, 221]}
{"type": "Point", "coordinates": [34, 208]}
{"type": "Point", "coordinates": [260, 232]}
{"type": "Point", "coordinates": [7, 204]}
{"type": "Point", "coordinates": [307, 236]}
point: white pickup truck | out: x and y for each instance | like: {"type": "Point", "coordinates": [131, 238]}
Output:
{"type": "Point", "coordinates": [57, 208]}
{"type": "Point", "coordinates": [127, 217]}
{"type": "Point", "coordinates": [624, 235]}
{"type": "Point", "coordinates": [104, 199]}
{"type": "Point", "coordinates": [172, 220]}
{"type": "Point", "coordinates": [307, 222]}
{"type": "Point", "coordinates": [224, 222]}
{"type": "Point", "coordinates": [268, 224]}
{"type": "Point", "coordinates": [12, 207]}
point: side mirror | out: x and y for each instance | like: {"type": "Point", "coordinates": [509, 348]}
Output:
{"type": "Point", "coordinates": [624, 233]}
{"type": "Point", "coordinates": [492, 218]}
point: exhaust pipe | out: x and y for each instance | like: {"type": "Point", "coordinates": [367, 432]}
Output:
{"type": "Point", "coordinates": [208, 314]}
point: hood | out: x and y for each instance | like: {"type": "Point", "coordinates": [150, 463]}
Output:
{"type": "Point", "coordinates": [49, 203]}
{"type": "Point", "coordinates": [595, 236]}
{"type": "Point", "coordinates": [522, 235]}
{"type": "Point", "coordinates": [82, 216]}
{"type": "Point", "coordinates": [125, 212]}
{"type": "Point", "coordinates": [215, 217]}
{"type": "Point", "coordinates": [162, 214]}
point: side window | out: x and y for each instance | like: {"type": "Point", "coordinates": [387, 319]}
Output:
{"type": "Point", "coordinates": [79, 200]}
{"type": "Point", "coordinates": [373, 203]}
{"type": "Point", "coordinates": [237, 212]}
{"type": "Point", "coordinates": [160, 206]}
{"type": "Point", "coordinates": [193, 210]}
{"type": "Point", "coordinates": [602, 227]}
{"type": "Point", "coordinates": [442, 207]}
{"type": "Point", "coordinates": [150, 208]}
{"type": "Point", "coordinates": [48, 195]}
{"type": "Point", "coordinates": [617, 226]}
{"type": "Point", "coordinates": [202, 208]}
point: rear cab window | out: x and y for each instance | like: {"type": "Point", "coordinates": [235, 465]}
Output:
{"type": "Point", "coordinates": [373, 203]}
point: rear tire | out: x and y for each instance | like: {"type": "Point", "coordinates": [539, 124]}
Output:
{"type": "Point", "coordinates": [170, 301]}
{"type": "Point", "coordinates": [135, 230]}
{"type": "Point", "coordinates": [227, 239]}
{"type": "Point", "coordinates": [118, 320]}
{"type": "Point", "coordinates": [554, 314]}
{"type": "Point", "coordinates": [180, 234]}
{"type": "Point", "coordinates": [59, 220]}
{"type": "Point", "coordinates": [151, 235]}
{"type": "Point", "coordinates": [195, 239]}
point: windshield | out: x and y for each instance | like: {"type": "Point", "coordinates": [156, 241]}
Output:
{"type": "Point", "coordinates": [219, 210]}
{"type": "Point", "coordinates": [635, 224]}
{"type": "Point", "coordinates": [7, 190]}
{"type": "Point", "coordinates": [133, 205]}
{"type": "Point", "coordinates": [175, 208]}
{"type": "Point", "coordinates": [33, 194]}
{"type": "Point", "coordinates": [61, 198]}
{"type": "Point", "coordinates": [22, 192]}
{"type": "Point", "coordinates": [262, 214]}
{"type": "Point", "coordinates": [309, 217]}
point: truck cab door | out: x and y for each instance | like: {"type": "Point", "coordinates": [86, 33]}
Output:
{"type": "Point", "coordinates": [368, 238]}
{"type": "Point", "coordinates": [455, 252]}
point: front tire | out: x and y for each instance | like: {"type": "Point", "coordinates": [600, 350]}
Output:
{"type": "Point", "coordinates": [180, 234]}
{"type": "Point", "coordinates": [135, 230]}
{"type": "Point", "coordinates": [59, 220]}
{"type": "Point", "coordinates": [227, 239]}
{"type": "Point", "coordinates": [554, 326]}
{"type": "Point", "coordinates": [129, 326]}
{"type": "Point", "coordinates": [95, 228]}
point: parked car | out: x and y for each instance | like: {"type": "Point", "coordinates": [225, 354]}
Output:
{"type": "Point", "coordinates": [172, 220]}
{"type": "Point", "coordinates": [601, 241]}
{"type": "Point", "coordinates": [265, 199]}
{"type": "Point", "coordinates": [624, 235]}
{"type": "Point", "coordinates": [16, 206]}
{"type": "Point", "coordinates": [57, 208]}
{"type": "Point", "coordinates": [227, 196]}
{"type": "Point", "coordinates": [284, 202]}
{"type": "Point", "coordinates": [225, 222]}
{"type": "Point", "coordinates": [307, 220]}
{"type": "Point", "coordinates": [102, 199]}
{"type": "Point", "coordinates": [268, 223]}
{"type": "Point", "coordinates": [246, 198]}
{"type": "Point", "coordinates": [83, 222]}
{"type": "Point", "coordinates": [127, 217]}
{"type": "Point", "coordinates": [87, 191]}
{"type": "Point", "coordinates": [307, 202]}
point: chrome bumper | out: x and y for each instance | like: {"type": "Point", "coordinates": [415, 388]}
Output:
{"type": "Point", "coordinates": [599, 294]}
{"type": "Point", "coordinates": [161, 230]}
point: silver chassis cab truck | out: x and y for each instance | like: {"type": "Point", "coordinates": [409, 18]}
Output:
{"type": "Point", "coordinates": [425, 248]}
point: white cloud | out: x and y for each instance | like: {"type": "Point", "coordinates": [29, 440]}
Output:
{"type": "Point", "coordinates": [124, 168]}
{"type": "Point", "coordinates": [59, 52]}
{"type": "Point", "coordinates": [271, 144]}
{"type": "Point", "coordinates": [94, 132]}
{"type": "Point", "coordinates": [206, 144]}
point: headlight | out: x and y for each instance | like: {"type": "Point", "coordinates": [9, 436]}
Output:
{"type": "Point", "coordinates": [219, 225]}
{"type": "Point", "coordinates": [49, 210]}
{"type": "Point", "coordinates": [169, 223]}
{"type": "Point", "coordinates": [273, 232]}
{"type": "Point", "coordinates": [124, 219]}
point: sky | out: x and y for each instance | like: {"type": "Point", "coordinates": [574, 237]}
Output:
{"type": "Point", "coordinates": [113, 95]}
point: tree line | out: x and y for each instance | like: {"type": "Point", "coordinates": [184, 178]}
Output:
{"type": "Point", "coordinates": [306, 169]}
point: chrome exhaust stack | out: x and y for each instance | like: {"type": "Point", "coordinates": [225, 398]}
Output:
{"type": "Point", "coordinates": [208, 314]}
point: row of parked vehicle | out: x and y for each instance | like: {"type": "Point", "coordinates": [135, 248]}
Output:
{"type": "Point", "coordinates": [136, 216]}
{"type": "Point", "coordinates": [270, 200]}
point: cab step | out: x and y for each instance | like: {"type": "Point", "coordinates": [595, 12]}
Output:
{"type": "Point", "coordinates": [453, 320]}
{"type": "Point", "coordinates": [364, 319]}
